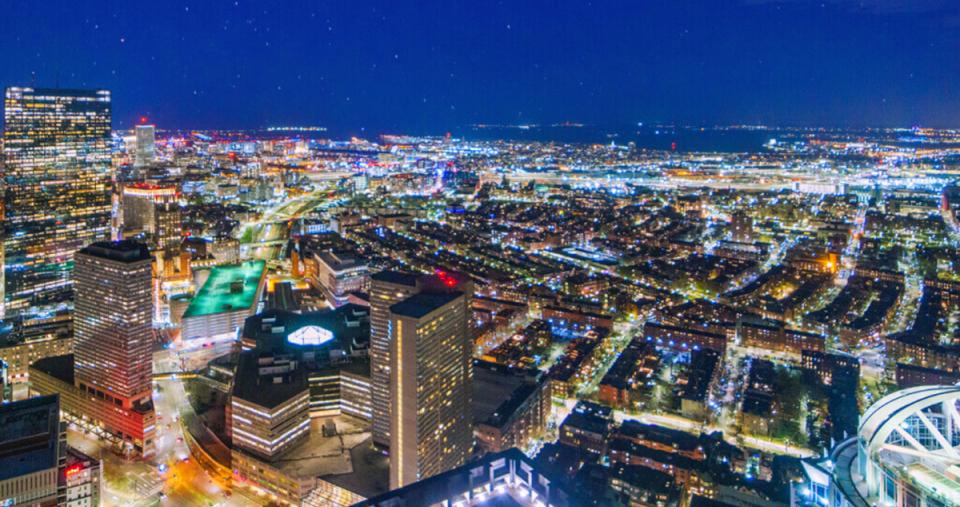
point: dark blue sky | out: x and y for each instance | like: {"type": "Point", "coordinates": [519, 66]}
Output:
{"type": "Point", "coordinates": [432, 66]}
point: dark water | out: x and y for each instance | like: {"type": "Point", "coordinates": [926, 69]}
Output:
{"type": "Point", "coordinates": [655, 138]}
{"type": "Point", "coordinates": [681, 139]}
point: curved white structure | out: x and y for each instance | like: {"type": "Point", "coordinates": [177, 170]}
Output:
{"type": "Point", "coordinates": [909, 448]}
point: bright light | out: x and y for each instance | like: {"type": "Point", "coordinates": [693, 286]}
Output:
{"type": "Point", "coordinates": [310, 335]}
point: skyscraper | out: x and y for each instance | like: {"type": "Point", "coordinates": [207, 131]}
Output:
{"type": "Point", "coordinates": [107, 381]}
{"type": "Point", "coordinates": [146, 145]}
{"type": "Point", "coordinates": [57, 190]}
{"type": "Point", "coordinates": [386, 289]}
{"type": "Point", "coordinates": [431, 373]}
{"type": "Point", "coordinates": [113, 321]}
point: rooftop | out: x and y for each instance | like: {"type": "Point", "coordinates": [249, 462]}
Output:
{"type": "Point", "coordinates": [120, 251]}
{"type": "Point", "coordinates": [349, 325]}
{"type": "Point", "coordinates": [395, 277]}
{"type": "Point", "coordinates": [419, 305]}
{"type": "Point", "coordinates": [250, 386]}
{"type": "Point", "coordinates": [58, 367]}
{"type": "Point", "coordinates": [217, 294]}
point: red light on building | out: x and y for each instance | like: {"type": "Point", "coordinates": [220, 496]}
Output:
{"type": "Point", "coordinates": [72, 470]}
{"type": "Point", "coordinates": [143, 119]}
{"type": "Point", "coordinates": [445, 277]}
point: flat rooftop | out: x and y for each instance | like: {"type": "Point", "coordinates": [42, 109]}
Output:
{"type": "Point", "coordinates": [346, 460]}
{"type": "Point", "coordinates": [217, 295]}
{"type": "Point", "coordinates": [120, 251]}
{"type": "Point", "coordinates": [419, 305]}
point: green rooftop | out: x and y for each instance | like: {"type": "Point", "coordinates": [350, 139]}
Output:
{"type": "Point", "coordinates": [228, 288]}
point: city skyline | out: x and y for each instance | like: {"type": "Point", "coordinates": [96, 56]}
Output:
{"type": "Point", "coordinates": [395, 67]}
{"type": "Point", "coordinates": [700, 253]}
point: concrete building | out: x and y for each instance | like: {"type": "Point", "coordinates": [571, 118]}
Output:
{"type": "Point", "coordinates": [329, 345]}
{"type": "Point", "coordinates": [140, 202]}
{"type": "Point", "coordinates": [32, 442]}
{"type": "Point", "coordinates": [339, 274]}
{"type": "Point", "coordinates": [741, 227]}
{"type": "Point", "coordinates": [270, 405]}
{"type": "Point", "coordinates": [504, 478]}
{"type": "Point", "coordinates": [227, 297]}
{"type": "Point", "coordinates": [386, 289]}
{"type": "Point", "coordinates": [113, 316]}
{"type": "Point", "coordinates": [511, 406]}
{"type": "Point", "coordinates": [431, 374]}
{"type": "Point", "coordinates": [106, 385]}
{"type": "Point", "coordinates": [28, 342]}
{"type": "Point", "coordinates": [114, 336]}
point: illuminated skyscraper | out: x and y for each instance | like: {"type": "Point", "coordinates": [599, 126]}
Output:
{"type": "Point", "coordinates": [431, 383]}
{"type": "Point", "coordinates": [146, 147]}
{"type": "Point", "coordinates": [113, 340]}
{"type": "Point", "coordinates": [113, 320]}
{"type": "Point", "coordinates": [386, 289]}
{"type": "Point", "coordinates": [57, 190]}
{"type": "Point", "coordinates": [151, 211]}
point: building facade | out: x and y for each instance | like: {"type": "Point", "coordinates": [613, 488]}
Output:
{"type": "Point", "coordinates": [431, 427]}
{"type": "Point", "coordinates": [146, 145]}
{"type": "Point", "coordinates": [57, 190]}
{"type": "Point", "coordinates": [339, 274]}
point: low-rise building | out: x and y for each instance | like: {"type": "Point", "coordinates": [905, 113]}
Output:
{"type": "Point", "coordinates": [587, 428]}
{"type": "Point", "coordinates": [511, 406]}
{"type": "Point", "coordinates": [776, 337]}
{"type": "Point", "coordinates": [626, 381]}
{"type": "Point", "coordinates": [92, 411]}
{"type": "Point", "coordinates": [683, 339]}
{"type": "Point", "coordinates": [29, 342]}
{"type": "Point", "coordinates": [229, 295]}
{"type": "Point", "coordinates": [693, 388]}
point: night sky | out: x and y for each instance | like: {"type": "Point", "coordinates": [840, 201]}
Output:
{"type": "Point", "coordinates": [431, 66]}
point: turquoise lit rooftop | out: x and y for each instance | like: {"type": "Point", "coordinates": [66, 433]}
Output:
{"type": "Point", "coordinates": [217, 294]}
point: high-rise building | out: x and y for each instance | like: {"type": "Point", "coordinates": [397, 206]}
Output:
{"type": "Point", "coordinates": [431, 374]}
{"type": "Point", "coordinates": [386, 289]}
{"type": "Point", "coordinates": [270, 404]}
{"type": "Point", "coordinates": [140, 203]}
{"type": "Point", "coordinates": [57, 190]}
{"type": "Point", "coordinates": [113, 320]}
{"type": "Point", "coordinates": [168, 232]}
{"type": "Point", "coordinates": [107, 380]}
{"type": "Point", "coordinates": [146, 147]}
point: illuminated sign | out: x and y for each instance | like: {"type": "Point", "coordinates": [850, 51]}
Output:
{"type": "Point", "coordinates": [310, 335]}
{"type": "Point", "coordinates": [73, 470]}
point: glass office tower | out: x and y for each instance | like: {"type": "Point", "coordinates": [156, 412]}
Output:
{"type": "Point", "coordinates": [57, 176]}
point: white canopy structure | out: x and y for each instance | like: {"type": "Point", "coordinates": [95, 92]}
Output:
{"type": "Point", "coordinates": [912, 437]}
